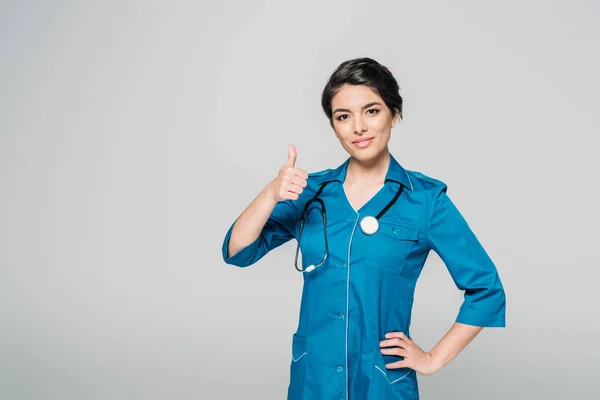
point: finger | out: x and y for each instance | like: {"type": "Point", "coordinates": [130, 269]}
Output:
{"type": "Point", "coordinates": [297, 180]}
{"type": "Point", "coordinates": [294, 176]}
{"type": "Point", "coordinates": [291, 161]}
{"type": "Point", "coordinates": [290, 196]}
{"type": "Point", "coordinates": [399, 335]}
{"type": "Point", "coordinates": [291, 187]}
{"type": "Point", "coordinates": [397, 364]}
{"type": "Point", "coordinates": [290, 172]}
{"type": "Point", "coordinates": [395, 351]}
{"type": "Point", "coordinates": [300, 172]}
{"type": "Point", "coordinates": [394, 343]}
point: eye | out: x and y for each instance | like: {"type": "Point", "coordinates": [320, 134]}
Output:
{"type": "Point", "coordinates": [342, 117]}
{"type": "Point", "coordinates": [373, 111]}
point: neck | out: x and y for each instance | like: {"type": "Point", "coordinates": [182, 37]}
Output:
{"type": "Point", "coordinates": [369, 172]}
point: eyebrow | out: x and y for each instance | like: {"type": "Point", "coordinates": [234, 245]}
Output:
{"type": "Point", "coordinates": [374, 103]}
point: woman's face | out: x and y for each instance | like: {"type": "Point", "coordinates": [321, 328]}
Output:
{"type": "Point", "coordinates": [361, 121]}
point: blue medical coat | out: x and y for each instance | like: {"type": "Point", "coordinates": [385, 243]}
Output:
{"type": "Point", "coordinates": [366, 286]}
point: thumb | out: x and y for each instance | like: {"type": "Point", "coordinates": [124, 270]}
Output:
{"type": "Point", "coordinates": [291, 161]}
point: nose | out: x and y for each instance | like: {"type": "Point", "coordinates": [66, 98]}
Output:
{"type": "Point", "coordinates": [359, 126]}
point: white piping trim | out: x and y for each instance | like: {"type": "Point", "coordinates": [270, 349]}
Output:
{"type": "Point", "coordinates": [388, 379]}
{"type": "Point", "coordinates": [296, 359]}
{"type": "Point", "coordinates": [409, 181]}
{"type": "Point", "coordinates": [348, 297]}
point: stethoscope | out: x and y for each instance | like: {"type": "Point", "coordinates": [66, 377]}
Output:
{"type": "Point", "coordinates": [368, 224]}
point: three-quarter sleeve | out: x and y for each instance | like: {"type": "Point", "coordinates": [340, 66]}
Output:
{"type": "Point", "coordinates": [279, 228]}
{"type": "Point", "coordinates": [468, 263]}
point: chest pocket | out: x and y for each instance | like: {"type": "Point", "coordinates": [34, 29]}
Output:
{"type": "Point", "coordinates": [389, 247]}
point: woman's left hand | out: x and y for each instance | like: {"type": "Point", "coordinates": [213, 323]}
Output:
{"type": "Point", "coordinates": [398, 344]}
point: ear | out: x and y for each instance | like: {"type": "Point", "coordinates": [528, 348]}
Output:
{"type": "Point", "coordinates": [395, 118]}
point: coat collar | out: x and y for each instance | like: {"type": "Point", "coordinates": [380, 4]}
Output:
{"type": "Point", "coordinates": [394, 173]}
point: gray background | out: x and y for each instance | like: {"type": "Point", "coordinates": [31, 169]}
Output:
{"type": "Point", "coordinates": [133, 133]}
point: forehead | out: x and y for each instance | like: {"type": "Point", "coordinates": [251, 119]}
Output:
{"type": "Point", "coordinates": [354, 96]}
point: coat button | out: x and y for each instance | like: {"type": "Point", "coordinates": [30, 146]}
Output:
{"type": "Point", "coordinates": [339, 368]}
{"type": "Point", "coordinates": [341, 317]}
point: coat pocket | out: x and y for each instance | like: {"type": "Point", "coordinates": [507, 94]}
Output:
{"type": "Point", "coordinates": [298, 368]}
{"type": "Point", "coordinates": [389, 247]}
{"type": "Point", "coordinates": [392, 383]}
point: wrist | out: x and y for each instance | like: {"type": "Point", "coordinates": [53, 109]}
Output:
{"type": "Point", "coordinates": [436, 364]}
{"type": "Point", "coordinates": [269, 193]}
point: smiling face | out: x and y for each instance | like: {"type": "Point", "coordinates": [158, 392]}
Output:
{"type": "Point", "coordinates": [362, 121]}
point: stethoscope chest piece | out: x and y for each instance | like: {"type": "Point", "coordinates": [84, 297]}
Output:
{"type": "Point", "coordinates": [369, 225]}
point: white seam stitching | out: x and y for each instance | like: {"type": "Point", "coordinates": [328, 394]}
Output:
{"type": "Point", "coordinates": [409, 181]}
{"type": "Point", "coordinates": [296, 359]}
{"type": "Point", "coordinates": [402, 377]}
{"type": "Point", "coordinates": [348, 297]}
{"type": "Point", "coordinates": [382, 372]}
{"type": "Point", "coordinates": [388, 379]}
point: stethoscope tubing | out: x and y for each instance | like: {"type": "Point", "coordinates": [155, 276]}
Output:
{"type": "Point", "coordinates": [316, 198]}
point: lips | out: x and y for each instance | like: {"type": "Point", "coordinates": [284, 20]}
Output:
{"type": "Point", "coordinates": [362, 142]}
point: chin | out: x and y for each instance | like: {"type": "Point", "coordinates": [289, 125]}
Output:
{"type": "Point", "coordinates": [367, 154]}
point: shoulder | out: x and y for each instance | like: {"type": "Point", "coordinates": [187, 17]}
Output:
{"type": "Point", "coordinates": [314, 181]}
{"type": "Point", "coordinates": [424, 182]}
{"type": "Point", "coordinates": [319, 175]}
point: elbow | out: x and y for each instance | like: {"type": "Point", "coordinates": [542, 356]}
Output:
{"type": "Point", "coordinates": [239, 257]}
{"type": "Point", "coordinates": [484, 307]}
{"type": "Point", "coordinates": [234, 257]}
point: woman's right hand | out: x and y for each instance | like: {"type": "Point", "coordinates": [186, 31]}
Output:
{"type": "Point", "coordinates": [290, 181]}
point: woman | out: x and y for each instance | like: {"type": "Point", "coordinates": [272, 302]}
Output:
{"type": "Point", "coordinates": [353, 339]}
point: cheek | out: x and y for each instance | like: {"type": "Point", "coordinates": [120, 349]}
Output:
{"type": "Point", "coordinates": [381, 125]}
{"type": "Point", "coordinates": [342, 131]}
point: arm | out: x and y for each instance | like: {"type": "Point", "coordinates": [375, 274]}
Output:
{"type": "Point", "coordinates": [453, 342]}
{"type": "Point", "coordinates": [249, 225]}
{"type": "Point", "coordinates": [269, 221]}
{"type": "Point", "coordinates": [426, 363]}
{"type": "Point", "coordinates": [472, 271]}
{"type": "Point", "coordinates": [469, 265]}
{"type": "Point", "coordinates": [263, 226]}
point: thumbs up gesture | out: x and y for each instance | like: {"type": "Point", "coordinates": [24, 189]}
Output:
{"type": "Point", "coordinates": [290, 181]}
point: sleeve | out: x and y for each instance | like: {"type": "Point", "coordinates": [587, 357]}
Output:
{"type": "Point", "coordinates": [279, 228]}
{"type": "Point", "coordinates": [468, 263]}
